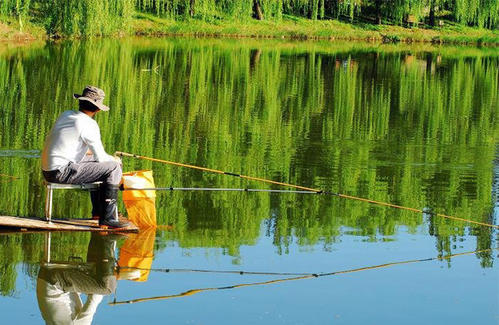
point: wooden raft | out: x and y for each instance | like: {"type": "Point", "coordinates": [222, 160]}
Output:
{"type": "Point", "coordinates": [36, 224]}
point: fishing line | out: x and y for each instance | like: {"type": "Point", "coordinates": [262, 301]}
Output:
{"type": "Point", "coordinates": [302, 277]}
{"type": "Point", "coordinates": [303, 188]}
{"type": "Point", "coordinates": [169, 270]}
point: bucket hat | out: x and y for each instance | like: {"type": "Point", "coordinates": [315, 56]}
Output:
{"type": "Point", "coordinates": [94, 95]}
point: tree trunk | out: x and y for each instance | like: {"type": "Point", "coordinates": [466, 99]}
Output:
{"type": "Point", "coordinates": [378, 11]}
{"type": "Point", "coordinates": [192, 3]}
{"type": "Point", "coordinates": [19, 15]}
{"type": "Point", "coordinates": [20, 24]}
{"type": "Point", "coordinates": [257, 10]}
{"type": "Point", "coordinates": [432, 13]}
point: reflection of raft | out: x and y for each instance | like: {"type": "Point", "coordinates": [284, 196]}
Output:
{"type": "Point", "coordinates": [35, 224]}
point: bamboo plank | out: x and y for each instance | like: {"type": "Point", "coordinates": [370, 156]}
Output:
{"type": "Point", "coordinates": [58, 224]}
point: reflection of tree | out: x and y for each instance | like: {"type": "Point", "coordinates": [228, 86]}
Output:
{"type": "Point", "coordinates": [356, 121]}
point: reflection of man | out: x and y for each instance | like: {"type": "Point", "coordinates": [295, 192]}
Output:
{"type": "Point", "coordinates": [59, 287]}
{"type": "Point", "coordinates": [74, 154]}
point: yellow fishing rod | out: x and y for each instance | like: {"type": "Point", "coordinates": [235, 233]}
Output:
{"type": "Point", "coordinates": [318, 191]}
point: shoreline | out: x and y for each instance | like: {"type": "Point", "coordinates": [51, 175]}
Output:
{"type": "Point", "coordinates": [290, 28]}
{"type": "Point", "coordinates": [372, 39]}
{"type": "Point", "coordinates": [293, 28]}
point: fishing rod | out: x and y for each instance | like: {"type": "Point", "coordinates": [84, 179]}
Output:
{"type": "Point", "coordinates": [302, 277]}
{"type": "Point", "coordinates": [303, 188]}
{"type": "Point", "coordinates": [216, 189]}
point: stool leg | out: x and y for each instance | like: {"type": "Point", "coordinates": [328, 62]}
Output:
{"type": "Point", "coordinates": [47, 197]}
{"type": "Point", "coordinates": [50, 205]}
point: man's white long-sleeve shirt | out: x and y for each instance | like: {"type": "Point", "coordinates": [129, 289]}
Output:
{"type": "Point", "coordinates": [73, 134]}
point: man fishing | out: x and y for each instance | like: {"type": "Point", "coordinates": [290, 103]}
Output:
{"type": "Point", "coordinates": [74, 154]}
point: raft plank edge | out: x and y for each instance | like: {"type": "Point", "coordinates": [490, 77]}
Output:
{"type": "Point", "coordinates": [57, 225]}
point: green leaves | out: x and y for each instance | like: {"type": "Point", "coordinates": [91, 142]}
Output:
{"type": "Point", "coordinates": [104, 17]}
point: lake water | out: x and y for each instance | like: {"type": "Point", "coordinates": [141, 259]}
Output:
{"type": "Point", "coordinates": [412, 125]}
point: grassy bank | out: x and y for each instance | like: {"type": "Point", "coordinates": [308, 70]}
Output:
{"type": "Point", "coordinates": [299, 28]}
{"type": "Point", "coordinates": [289, 27]}
{"type": "Point", "coordinates": [11, 31]}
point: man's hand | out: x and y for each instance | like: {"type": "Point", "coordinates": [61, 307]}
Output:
{"type": "Point", "coordinates": [118, 160]}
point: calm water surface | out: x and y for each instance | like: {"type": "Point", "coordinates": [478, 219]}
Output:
{"type": "Point", "coordinates": [415, 126]}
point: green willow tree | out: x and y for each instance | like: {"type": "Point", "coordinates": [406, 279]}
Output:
{"type": "Point", "coordinates": [482, 13]}
{"type": "Point", "coordinates": [101, 17]}
{"type": "Point", "coordinates": [84, 17]}
{"type": "Point", "coordinates": [18, 8]}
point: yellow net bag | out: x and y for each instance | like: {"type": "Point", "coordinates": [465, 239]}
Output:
{"type": "Point", "coordinates": [140, 204]}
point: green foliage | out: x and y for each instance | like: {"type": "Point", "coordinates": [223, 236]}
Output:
{"type": "Point", "coordinates": [85, 17]}
{"type": "Point", "coordinates": [102, 17]}
{"type": "Point", "coordinates": [482, 13]}
{"type": "Point", "coordinates": [15, 7]}
{"type": "Point", "coordinates": [207, 10]}
{"type": "Point", "coordinates": [416, 128]}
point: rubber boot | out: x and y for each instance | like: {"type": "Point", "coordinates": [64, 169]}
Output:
{"type": "Point", "coordinates": [109, 215]}
{"type": "Point", "coordinates": [96, 204]}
